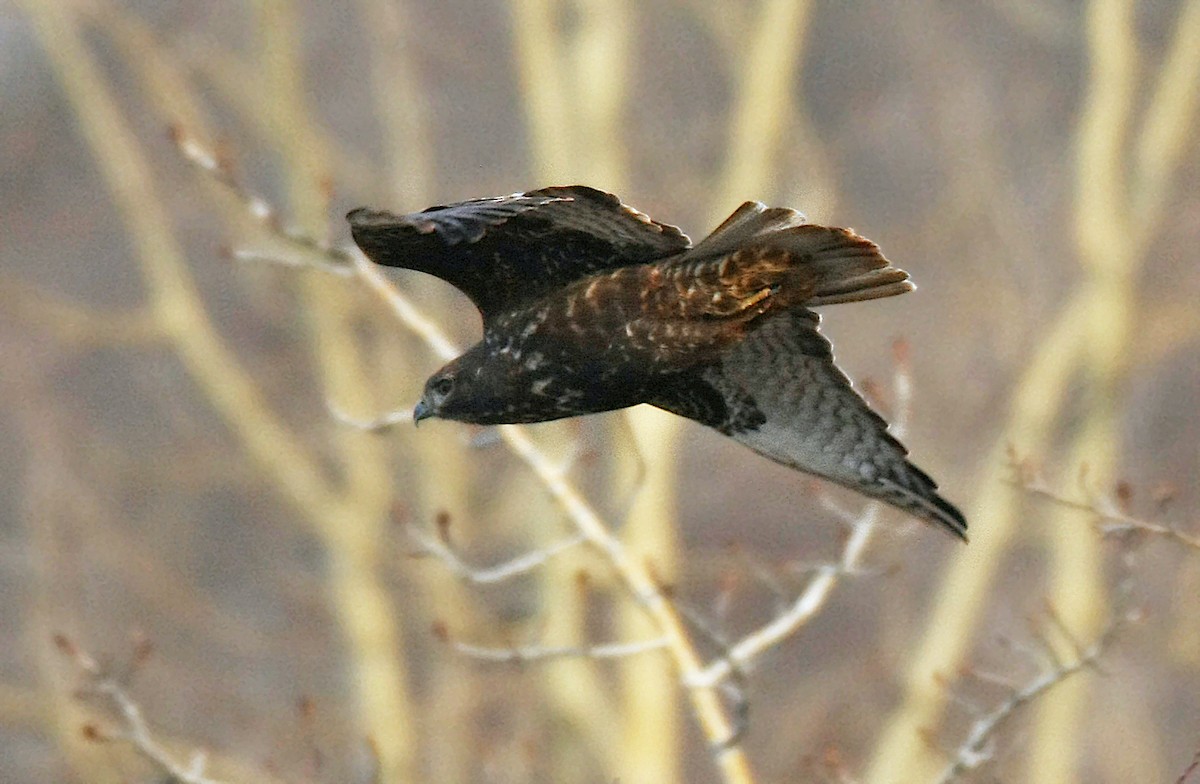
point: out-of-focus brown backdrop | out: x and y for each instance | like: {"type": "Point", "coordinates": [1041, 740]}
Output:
{"type": "Point", "coordinates": [171, 472]}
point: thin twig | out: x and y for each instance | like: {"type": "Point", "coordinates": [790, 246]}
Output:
{"type": "Point", "coordinates": [977, 749]}
{"type": "Point", "coordinates": [528, 654]}
{"type": "Point", "coordinates": [379, 424]}
{"type": "Point", "coordinates": [312, 252]}
{"type": "Point", "coordinates": [134, 729]}
{"type": "Point", "coordinates": [1189, 770]}
{"type": "Point", "coordinates": [522, 564]}
{"type": "Point", "coordinates": [732, 687]}
{"type": "Point", "coordinates": [1110, 520]}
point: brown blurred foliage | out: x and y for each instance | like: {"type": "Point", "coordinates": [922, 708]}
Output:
{"type": "Point", "coordinates": [173, 473]}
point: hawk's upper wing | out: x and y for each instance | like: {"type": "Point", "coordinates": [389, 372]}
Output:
{"type": "Point", "coordinates": [508, 250]}
{"type": "Point", "coordinates": [779, 393]}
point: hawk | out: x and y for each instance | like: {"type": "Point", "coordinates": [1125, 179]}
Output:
{"type": "Point", "coordinates": [589, 305]}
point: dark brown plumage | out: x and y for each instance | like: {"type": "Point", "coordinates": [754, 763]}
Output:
{"type": "Point", "coordinates": [588, 305]}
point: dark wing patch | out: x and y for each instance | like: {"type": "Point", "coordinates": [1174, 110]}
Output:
{"type": "Point", "coordinates": [691, 393]}
{"type": "Point", "coordinates": [784, 398]}
{"type": "Point", "coordinates": [506, 251]}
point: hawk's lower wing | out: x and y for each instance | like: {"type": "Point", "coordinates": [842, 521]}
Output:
{"type": "Point", "coordinates": [779, 393]}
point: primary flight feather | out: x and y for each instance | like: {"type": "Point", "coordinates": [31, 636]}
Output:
{"type": "Point", "coordinates": [589, 305]}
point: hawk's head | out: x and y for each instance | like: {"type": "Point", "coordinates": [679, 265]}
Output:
{"type": "Point", "coordinates": [486, 388]}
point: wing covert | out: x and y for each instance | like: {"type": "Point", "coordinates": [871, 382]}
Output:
{"type": "Point", "coordinates": [508, 250]}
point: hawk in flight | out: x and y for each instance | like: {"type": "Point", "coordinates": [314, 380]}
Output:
{"type": "Point", "coordinates": [589, 305]}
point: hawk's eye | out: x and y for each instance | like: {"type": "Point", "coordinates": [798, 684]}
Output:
{"type": "Point", "coordinates": [443, 386]}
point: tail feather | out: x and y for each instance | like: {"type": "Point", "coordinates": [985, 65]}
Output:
{"type": "Point", "coordinates": [873, 291]}
{"type": "Point", "coordinates": [887, 282]}
{"type": "Point", "coordinates": [837, 264]}
{"type": "Point", "coordinates": [846, 266]}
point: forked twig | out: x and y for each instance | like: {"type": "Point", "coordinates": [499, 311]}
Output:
{"type": "Point", "coordinates": [1110, 519]}
{"type": "Point", "coordinates": [133, 727]}
{"type": "Point", "coordinates": [312, 252]}
{"type": "Point", "coordinates": [522, 564]}
{"type": "Point", "coordinates": [978, 747]}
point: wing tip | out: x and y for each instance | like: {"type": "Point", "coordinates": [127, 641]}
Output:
{"type": "Point", "coordinates": [367, 219]}
{"type": "Point", "coordinates": [917, 494]}
{"type": "Point", "coordinates": [935, 509]}
{"type": "Point", "coordinates": [950, 518]}
{"type": "Point", "coordinates": [361, 216]}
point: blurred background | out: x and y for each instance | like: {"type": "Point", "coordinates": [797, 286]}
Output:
{"type": "Point", "coordinates": [173, 479]}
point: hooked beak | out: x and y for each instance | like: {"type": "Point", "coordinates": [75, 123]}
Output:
{"type": "Point", "coordinates": [421, 411]}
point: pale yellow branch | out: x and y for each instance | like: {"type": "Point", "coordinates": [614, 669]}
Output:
{"type": "Point", "coordinates": [234, 80]}
{"type": "Point", "coordinates": [179, 309]}
{"type": "Point", "coordinates": [1102, 226]}
{"type": "Point", "coordinates": [648, 739]}
{"type": "Point", "coordinates": [1110, 240]}
{"type": "Point", "coordinates": [443, 474]}
{"type": "Point", "coordinates": [1094, 328]}
{"type": "Point", "coordinates": [540, 76]}
{"type": "Point", "coordinates": [75, 324]}
{"type": "Point", "coordinates": [650, 717]}
{"type": "Point", "coordinates": [584, 696]}
{"type": "Point", "coordinates": [176, 303]}
{"type": "Point", "coordinates": [764, 86]}
{"type": "Point", "coordinates": [400, 103]}
{"type": "Point", "coordinates": [353, 532]}
{"type": "Point", "coordinates": [560, 117]}
{"type": "Point", "coordinates": [601, 53]}
{"type": "Point", "coordinates": [1170, 125]}
{"type": "Point", "coordinates": [1078, 593]}
{"type": "Point", "coordinates": [706, 701]}
{"type": "Point", "coordinates": [163, 81]}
